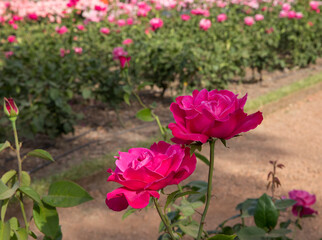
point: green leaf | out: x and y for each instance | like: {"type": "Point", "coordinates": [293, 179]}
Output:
{"type": "Point", "coordinates": [251, 233]}
{"type": "Point", "coordinates": [266, 214]}
{"type": "Point", "coordinates": [25, 179]}
{"type": "Point", "coordinates": [126, 98]}
{"type": "Point", "coordinates": [276, 233]}
{"type": "Point", "coordinates": [46, 219]}
{"type": "Point", "coordinates": [194, 147]}
{"type": "Point", "coordinates": [187, 208]}
{"type": "Point", "coordinates": [14, 223]}
{"type": "Point", "coordinates": [129, 212]}
{"type": "Point", "coordinates": [202, 158]}
{"type": "Point", "coordinates": [170, 199]}
{"type": "Point", "coordinates": [284, 203]}
{"type": "Point", "coordinates": [7, 176]}
{"type": "Point", "coordinates": [247, 207]}
{"type": "Point", "coordinates": [145, 115]}
{"type": "Point", "coordinates": [32, 234]}
{"type": "Point", "coordinates": [222, 237]}
{"type": "Point", "coordinates": [9, 191]}
{"type": "Point", "coordinates": [86, 93]}
{"type": "Point", "coordinates": [66, 194]}
{"type": "Point", "coordinates": [21, 234]}
{"type": "Point", "coordinates": [31, 193]}
{"type": "Point", "coordinates": [5, 231]}
{"type": "Point", "coordinates": [5, 145]}
{"type": "Point", "coordinates": [4, 205]}
{"type": "Point", "coordinates": [177, 194]}
{"type": "Point", "coordinates": [223, 141]}
{"type": "Point", "coordinates": [191, 229]}
{"type": "Point", "coordinates": [39, 153]}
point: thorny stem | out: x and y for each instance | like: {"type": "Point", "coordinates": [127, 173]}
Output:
{"type": "Point", "coordinates": [209, 188]}
{"type": "Point", "coordinates": [17, 150]}
{"type": "Point", "coordinates": [164, 219]}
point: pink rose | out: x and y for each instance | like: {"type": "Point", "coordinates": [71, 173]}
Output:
{"type": "Point", "coordinates": [78, 50]}
{"type": "Point", "coordinates": [127, 41]}
{"type": "Point", "coordinates": [80, 27]}
{"type": "Point", "coordinates": [143, 172]}
{"type": "Point", "coordinates": [33, 16]}
{"type": "Point", "coordinates": [286, 7]}
{"type": "Point", "coordinates": [121, 22]}
{"type": "Point", "coordinates": [185, 17]}
{"type": "Point", "coordinates": [213, 114]}
{"type": "Point", "coordinates": [259, 17]}
{"type": "Point", "coordinates": [124, 61]}
{"type": "Point", "coordinates": [8, 54]}
{"type": "Point", "coordinates": [63, 52]}
{"type": "Point", "coordinates": [117, 52]}
{"type": "Point", "coordinates": [156, 23]}
{"type": "Point", "coordinates": [299, 15]}
{"type": "Point", "coordinates": [129, 21]}
{"type": "Point", "coordinates": [283, 14]}
{"type": "Point", "coordinates": [303, 202]}
{"type": "Point", "coordinates": [249, 21]}
{"type": "Point", "coordinates": [291, 14]}
{"type": "Point", "coordinates": [105, 30]}
{"type": "Point", "coordinates": [314, 5]}
{"type": "Point", "coordinates": [222, 17]}
{"type": "Point", "coordinates": [61, 30]}
{"type": "Point", "coordinates": [205, 24]}
{"type": "Point", "coordinates": [12, 39]}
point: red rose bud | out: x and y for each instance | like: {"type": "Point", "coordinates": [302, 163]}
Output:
{"type": "Point", "coordinates": [124, 61]}
{"type": "Point", "coordinates": [10, 108]}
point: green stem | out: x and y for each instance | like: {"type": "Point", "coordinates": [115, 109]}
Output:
{"type": "Point", "coordinates": [17, 150]}
{"type": "Point", "coordinates": [24, 213]}
{"type": "Point", "coordinates": [164, 219]}
{"type": "Point", "coordinates": [159, 124]}
{"type": "Point", "coordinates": [209, 188]}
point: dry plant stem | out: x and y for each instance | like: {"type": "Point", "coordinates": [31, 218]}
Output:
{"type": "Point", "coordinates": [164, 219]}
{"type": "Point", "coordinates": [209, 188]}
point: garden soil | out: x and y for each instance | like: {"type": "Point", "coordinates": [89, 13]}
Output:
{"type": "Point", "coordinates": [290, 133]}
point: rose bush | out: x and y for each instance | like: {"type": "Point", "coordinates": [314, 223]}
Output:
{"type": "Point", "coordinates": [303, 202]}
{"type": "Point", "coordinates": [213, 114]}
{"type": "Point", "coordinates": [143, 172]}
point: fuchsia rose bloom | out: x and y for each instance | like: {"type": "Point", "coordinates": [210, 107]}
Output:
{"type": "Point", "coordinates": [8, 54]}
{"type": "Point", "coordinates": [213, 114]}
{"type": "Point", "coordinates": [61, 30]}
{"type": "Point", "coordinates": [222, 17]}
{"type": "Point", "coordinates": [185, 17]}
{"type": "Point", "coordinates": [249, 21]}
{"type": "Point", "coordinates": [314, 5]}
{"type": "Point", "coordinates": [12, 39]}
{"type": "Point", "coordinates": [205, 24]}
{"type": "Point", "coordinates": [156, 23]}
{"type": "Point", "coordinates": [143, 172]}
{"type": "Point", "coordinates": [105, 30]}
{"type": "Point", "coordinates": [80, 27]}
{"type": "Point", "coordinates": [259, 17]}
{"type": "Point", "coordinates": [129, 21]}
{"type": "Point", "coordinates": [124, 61]}
{"type": "Point", "coordinates": [299, 15]}
{"type": "Point", "coordinates": [303, 202]}
{"type": "Point", "coordinates": [78, 50]}
{"type": "Point", "coordinates": [291, 14]}
{"type": "Point", "coordinates": [121, 22]}
{"type": "Point", "coordinates": [118, 52]}
{"type": "Point", "coordinates": [127, 41]}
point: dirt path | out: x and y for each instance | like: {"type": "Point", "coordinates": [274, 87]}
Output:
{"type": "Point", "coordinates": [291, 134]}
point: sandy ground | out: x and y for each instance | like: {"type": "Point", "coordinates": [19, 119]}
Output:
{"type": "Point", "coordinates": [292, 135]}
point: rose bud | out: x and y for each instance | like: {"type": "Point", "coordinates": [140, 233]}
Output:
{"type": "Point", "coordinates": [10, 108]}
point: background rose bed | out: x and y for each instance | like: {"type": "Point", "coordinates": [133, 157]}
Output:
{"type": "Point", "coordinates": [59, 51]}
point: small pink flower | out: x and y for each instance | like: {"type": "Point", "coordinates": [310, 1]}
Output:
{"type": "Point", "coordinates": [291, 14]}
{"type": "Point", "coordinates": [286, 7]}
{"type": "Point", "coordinates": [158, 6]}
{"type": "Point", "coordinates": [129, 21]}
{"type": "Point", "coordinates": [105, 30]}
{"type": "Point", "coordinates": [185, 17]}
{"type": "Point", "coordinates": [222, 17]}
{"type": "Point", "coordinates": [310, 24]}
{"type": "Point", "coordinates": [11, 39]}
{"type": "Point", "coordinates": [78, 50]}
{"type": "Point", "coordinates": [99, 8]}
{"type": "Point", "coordinates": [111, 18]}
{"type": "Point", "coordinates": [205, 24]}
{"type": "Point", "coordinates": [303, 202]}
{"type": "Point", "coordinates": [142, 12]}
{"type": "Point", "coordinates": [249, 21]}
{"type": "Point", "coordinates": [270, 30]}
{"type": "Point", "coordinates": [121, 22]}
{"type": "Point", "coordinates": [63, 52]}
{"type": "Point", "coordinates": [156, 23]}
{"type": "Point", "coordinates": [33, 16]}
{"type": "Point", "coordinates": [117, 52]}
{"type": "Point", "coordinates": [259, 17]}
{"type": "Point", "coordinates": [61, 30]}
{"type": "Point", "coordinates": [14, 26]}
{"type": "Point", "coordinates": [80, 27]}
{"type": "Point", "coordinates": [314, 5]}
{"type": "Point", "coordinates": [299, 15]}
{"type": "Point", "coordinates": [283, 14]}
{"type": "Point", "coordinates": [8, 54]}
{"type": "Point", "coordinates": [127, 41]}
{"type": "Point", "coordinates": [199, 11]}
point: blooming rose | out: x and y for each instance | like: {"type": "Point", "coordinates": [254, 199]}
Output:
{"type": "Point", "coordinates": [185, 17]}
{"type": "Point", "coordinates": [299, 15]}
{"type": "Point", "coordinates": [105, 30]}
{"type": "Point", "coordinates": [303, 202]}
{"type": "Point", "coordinates": [314, 5]}
{"type": "Point", "coordinates": [156, 23]}
{"type": "Point", "coordinates": [78, 50]}
{"type": "Point", "coordinates": [222, 17]}
{"type": "Point", "coordinates": [11, 38]}
{"type": "Point", "coordinates": [127, 41]}
{"type": "Point", "coordinates": [117, 52]}
{"type": "Point", "coordinates": [259, 17]}
{"type": "Point", "coordinates": [291, 14]}
{"type": "Point", "coordinates": [249, 21]}
{"type": "Point", "coordinates": [205, 24]}
{"type": "Point", "coordinates": [80, 27]}
{"type": "Point", "coordinates": [61, 30]}
{"type": "Point", "coordinates": [213, 114]}
{"type": "Point", "coordinates": [143, 172]}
